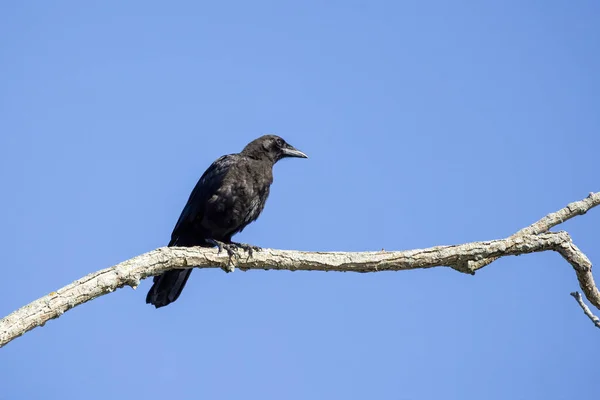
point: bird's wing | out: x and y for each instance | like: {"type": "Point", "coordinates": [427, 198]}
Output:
{"type": "Point", "coordinates": [207, 185]}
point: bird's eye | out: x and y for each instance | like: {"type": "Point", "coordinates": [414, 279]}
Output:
{"type": "Point", "coordinates": [279, 142]}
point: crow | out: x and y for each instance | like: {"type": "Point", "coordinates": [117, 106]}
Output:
{"type": "Point", "coordinates": [230, 195]}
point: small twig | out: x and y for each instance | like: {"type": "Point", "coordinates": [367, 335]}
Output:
{"type": "Point", "coordinates": [586, 309]}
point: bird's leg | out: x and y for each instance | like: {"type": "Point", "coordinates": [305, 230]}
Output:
{"type": "Point", "coordinates": [231, 250]}
{"type": "Point", "coordinates": [247, 247]}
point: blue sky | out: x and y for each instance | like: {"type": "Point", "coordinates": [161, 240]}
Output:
{"type": "Point", "coordinates": [426, 123]}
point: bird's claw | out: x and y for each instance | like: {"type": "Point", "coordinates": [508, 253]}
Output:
{"type": "Point", "coordinates": [250, 249]}
{"type": "Point", "coordinates": [232, 250]}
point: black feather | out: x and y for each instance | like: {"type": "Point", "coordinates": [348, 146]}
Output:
{"type": "Point", "coordinates": [230, 194]}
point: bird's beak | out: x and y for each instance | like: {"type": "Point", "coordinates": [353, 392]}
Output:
{"type": "Point", "coordinates": [290, 151]}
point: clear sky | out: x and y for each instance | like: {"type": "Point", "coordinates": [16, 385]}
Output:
{"type": "Point", "coordinates": [426, 123]}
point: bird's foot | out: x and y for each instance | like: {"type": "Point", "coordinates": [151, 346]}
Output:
{"type": "Point", "coordinates": [231, 250]}
{"type": "Point", "coordinates": [250, 249]}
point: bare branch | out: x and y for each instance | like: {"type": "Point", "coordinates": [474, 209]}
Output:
{"type": "Point", "coordinates": [586, 309]}
{"type": "Point", "coordinates": [464, 257]}
{"type": "Point", "coordinates": [583, 268]}
{"type": "Point", "coordinates": [551, 220]}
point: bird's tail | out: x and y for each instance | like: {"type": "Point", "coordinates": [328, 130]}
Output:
{"type": "Point", "coordinates": [167, 287]}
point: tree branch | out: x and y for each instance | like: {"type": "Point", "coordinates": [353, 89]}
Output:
{"type": "Point", "coordinates": [551, 220]}
{"type": "Point", "coordinates": [464, 257]}
{"type": "Point", "coordinates": [586, 309]}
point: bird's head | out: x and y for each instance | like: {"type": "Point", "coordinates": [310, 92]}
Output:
{"type": "Point", "coordinates": [272, 148]}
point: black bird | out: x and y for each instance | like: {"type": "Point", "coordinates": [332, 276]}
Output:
{"type": "Point", "coordinates": [230, 194]}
